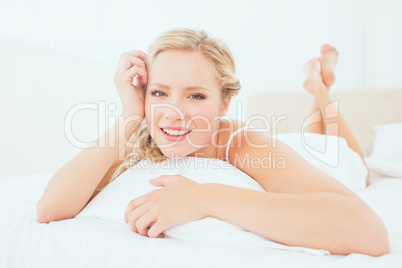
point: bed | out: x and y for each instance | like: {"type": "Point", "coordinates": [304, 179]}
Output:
{"type": "Point", "coordinates": [93, 242]}
{"type": "Point", "coordinates": [97, 242]}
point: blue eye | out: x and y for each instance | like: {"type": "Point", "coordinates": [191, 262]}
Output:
{"type": "Point", "coordinates": [154, 92]}
{"type": "Point", "coordinates": [161, 94]}
{"type": "Point", "coordinates": [199, 96]}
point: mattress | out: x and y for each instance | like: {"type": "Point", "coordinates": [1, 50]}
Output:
{"type": "Point", "coordinates": [93, 242]}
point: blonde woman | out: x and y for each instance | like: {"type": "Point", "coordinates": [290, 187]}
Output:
{"type": "Point", "coordinates": [183, 88]}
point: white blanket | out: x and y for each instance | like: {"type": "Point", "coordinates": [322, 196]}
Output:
{"type": "Point", "coordinates": [92, 242]}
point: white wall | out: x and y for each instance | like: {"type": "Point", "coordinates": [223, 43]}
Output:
{"type": "Point", "coordinates": [345, 31]}
{"type": "Point", "coordinates": [271, 40]}
{"type": "Point", "coordinates": [383, 44]}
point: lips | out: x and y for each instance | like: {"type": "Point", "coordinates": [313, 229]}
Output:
{"type": "Point", "coordinates": [176, 128]}
{"type": "Point", "coordinates": [175, 132]}
{"type": "Point", "coordinates": [173, 138]}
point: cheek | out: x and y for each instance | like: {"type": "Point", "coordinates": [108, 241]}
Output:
{"type": "Point", "coordinates": [147, 105]}
{"type": "Point", "coordinates": [205, 119]}
{"type": "Point", "coordinates": [150, 117]}
{"type": "Point", "coordinates": [201, 117]}
{"type": "Point", "coordinates": [205, 116]}
{"type": "Point", "coordinates": [153, 111]}
{"type": "Point", "coordinates": [207, 109]}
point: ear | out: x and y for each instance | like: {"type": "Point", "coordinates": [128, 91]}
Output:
{"type": "Point", "coordinates": [225, 106]}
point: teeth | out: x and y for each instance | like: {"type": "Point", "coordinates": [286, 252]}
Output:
{"type": "Point", "coordinates": [175, 132]}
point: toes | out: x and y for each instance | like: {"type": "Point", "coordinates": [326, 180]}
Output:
{"type": "Point", "coordinates": [329, 53]}
{"type": "Point", "coordinates": [328, 48]}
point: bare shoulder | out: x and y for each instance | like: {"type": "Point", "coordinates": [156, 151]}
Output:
{"type": "Point", "coordinates": [226, 129]}
{"type": "Point", "coordinates": [251, 136]}
{"type": "Point", "coordinates": [277, 167]}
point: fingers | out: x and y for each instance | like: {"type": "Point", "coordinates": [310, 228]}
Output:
{"type": "Point", "coordinates": [161, 235]}
{"type": "Point", "coordinates": [164, 180]}
{"type": "Point", "coordinates": [138, 202]}
{"type": "Point", "coordinates": [134, 204]}
{"type": "Point", "coordinates": [139, 82]}
{"type": "Point", "coordinates": [159, 181]}
{"type": "Point", "coordinates": [135, 214]}
{"type": "Point", "coordinates": [133, 71]}
{"type": "Point", "coordinates": [137, 53]}
{"type": "Point", "coordinates": [157, 229]}
{"type": "Point", "coordinates": [144, 222]}
{"type": "Point", "coordinates": [130, 59]}
{"type": "Point", "coordinates": [127, 63]}
{"type": "Point", "coordinates": [142, 219]}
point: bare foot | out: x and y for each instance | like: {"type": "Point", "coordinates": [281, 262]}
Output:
{"type": "Point", "coordinates": [329, 58]}
{"type": "Point", "coordinates": [313, 76]}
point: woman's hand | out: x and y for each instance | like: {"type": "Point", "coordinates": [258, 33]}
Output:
{"type": "Point", "coordinates": [131, 64]}
{"type": "Point", "coordinates": [177, 203]}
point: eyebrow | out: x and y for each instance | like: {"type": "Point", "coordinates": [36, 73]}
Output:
{"type": "Point", "coordinates": [186, 88]}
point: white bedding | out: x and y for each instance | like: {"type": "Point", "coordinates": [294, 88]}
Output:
{"type": "Point", "coordinates": [92, 242]}
{"type": "Point", "coordinates": [111, 203]}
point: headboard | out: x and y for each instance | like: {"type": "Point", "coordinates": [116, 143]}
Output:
{"type": "Point", "coordinates": [361, 109]}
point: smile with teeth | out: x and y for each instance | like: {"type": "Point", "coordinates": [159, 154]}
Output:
{"type": "Point", "coordinates": [175, 132]}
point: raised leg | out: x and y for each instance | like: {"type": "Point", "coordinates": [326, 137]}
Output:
{"type": "Point", "coordinates": [315, 123]}
{"type": "Point", "coordinates": [329, 114]}
{"type": "Point", "coordinates": [328, 61]}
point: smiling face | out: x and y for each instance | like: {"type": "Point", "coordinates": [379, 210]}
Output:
{"type": "Point", "coordinates": [183, 94]}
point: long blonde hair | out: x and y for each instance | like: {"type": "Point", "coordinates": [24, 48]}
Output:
{"type": "Point", "coordinates": [141, 145]}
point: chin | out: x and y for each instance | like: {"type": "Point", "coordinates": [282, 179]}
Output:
{"type": "Point", "coordinates": [181, 149]}
{"type": "Point", "coordinates": [173, 154]}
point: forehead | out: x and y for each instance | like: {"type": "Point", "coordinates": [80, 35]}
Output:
{"type": "Point", "coordinates": [182, 69]}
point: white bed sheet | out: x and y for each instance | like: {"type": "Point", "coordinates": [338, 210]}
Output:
{"type": "Point", "coordinates": [91, 242]}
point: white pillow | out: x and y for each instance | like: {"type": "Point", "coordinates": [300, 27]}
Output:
{"type": "Point", "coordinates": [331, 154]}
{"type": "Point", "coordinates": [388, 143]}
{"type": "Point", "coordinates": [134, 182]}
{"type": "Point", "coordinates": [386, 157]}
{"type": "Point", "coordinates": [385, 168]}
{"type": "Point", "coordinates": [111, 203]}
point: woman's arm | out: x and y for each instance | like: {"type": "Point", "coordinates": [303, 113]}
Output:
{"type": "Point", "coordinates": [338, 223]}
{"type": "Point", "coordinates": [70, 188]}
{"type": "Point", "coordinates": [303, 206]}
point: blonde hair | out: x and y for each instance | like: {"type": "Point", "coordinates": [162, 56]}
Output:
{"type": "Point", "coordinates": [141, 145]}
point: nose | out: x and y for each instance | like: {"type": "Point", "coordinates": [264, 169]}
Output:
{"type": "Point", "coordinates": [173, 112]}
